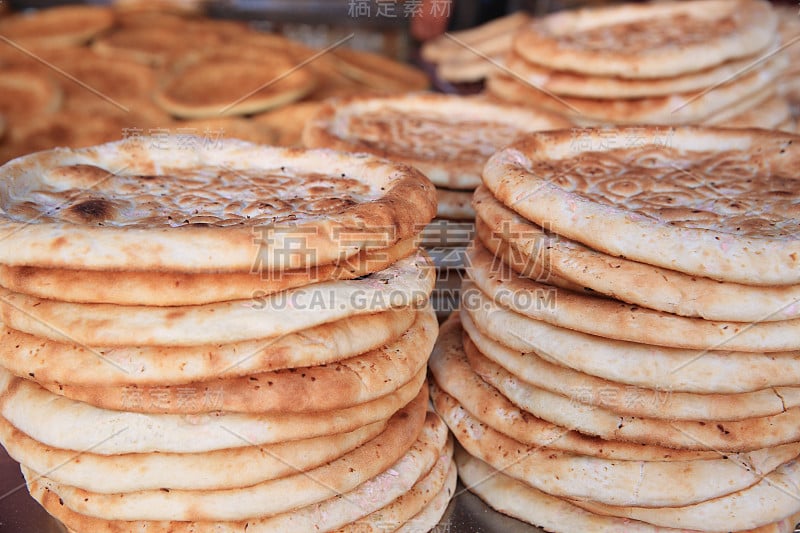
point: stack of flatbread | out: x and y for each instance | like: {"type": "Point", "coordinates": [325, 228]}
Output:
{"type": "Point", "coordinates": [220, 338]}
{"type": "Point", "coordinates": [77, 76]}
{"type": "Point", "coordinates": [789, 27]}
{"type": "Point", "coordinates": [626, 357]}
{"type": "Point", "coordinates": [713, 62]}
{"type": "Point", "coordinates": [447, 137]}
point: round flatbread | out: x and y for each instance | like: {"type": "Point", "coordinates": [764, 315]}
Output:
{"type": "Point", "coordinates": [670, 215]}
{"type": "Point", "coordinates": [556, 260]}
{"type": "Point", "coordinates": [623, 40]}
{"type": "Point", "coordinates": [433, 513]}
{"type": "Point", "coordinates": [407, 283]}
{"type": "Point", "coordinates": [324, 388]}
{"type": "Point", "coordinates": [153, 45]}
{"type": "Point", "coordinates": [163, 289]}
{"type": "Point", "coordinates": [454, 205]}
{"type": "Point", "coordinates": [216, 470]}
{"type": "Point", "coordinates": [485, 356]}
{"type": "Point", "coordinates": [619, 483]}
{"type": "Point", "coordinates": [378, 72]}
{"type": "Point", "coordinates": [457, 387]}
{"type": "Point", "coordinates": [648, 366]}
{"type": "Point", "coordinates": [288, 121]}
{"type": "Point", "coordinates": [211, 87]}
{"type": "Point", "coordinates": [51, 420]}
{"type": "Point", "coordinates": [676, 108]}
{"type": "Point", "coordinates": [768, 114]}
{"type": "Point", "coordinates": [470, 70]}
{"type": "Point", "coordinates": [565, 83]}
{"type": "Point", "coordinates": [25, 95]}
{"type": "Point", "coordinates": [57, 26]}
{"type": "Point", "coordinates": [271, 208]}
{"type": "Point", "coordinates": [29, 357]}
{"type": "Point", "coordinates": [447, 137]}
{"type": "Point", "coordinates": [512, 497]}
{"type": "Point", "coordinates": [431, 454]}
{"type": "Point", "coordinates": [496, 286]}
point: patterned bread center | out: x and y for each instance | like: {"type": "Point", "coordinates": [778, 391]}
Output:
{"type": "Point", "coordinates": [677, 30]}
{"type": "Point", "coordinates": [206, 196]}
{"type": "Point", "coordinates": [728, 192]}
{"type": "Point", "coordinates": [430, 137]}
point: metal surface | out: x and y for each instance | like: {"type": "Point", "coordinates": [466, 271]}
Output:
{"type": "Point", "coordinates": [19, 513]}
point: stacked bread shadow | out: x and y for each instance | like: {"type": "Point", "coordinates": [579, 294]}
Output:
{"type": "Point", "coordinates": [700, 62]}
{"type": "Point", "coordinates": [203, 341]}
{"type": "Point", "coordinates": [626, 353]}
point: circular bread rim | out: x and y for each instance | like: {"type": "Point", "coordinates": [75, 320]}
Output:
{"type": "Point", "coordinates": [754, 34]}
{"type": "Point", "coordinates": [322, 130]}
{"type": "Point", "coordinates": [407, 202]}
{"type": "Point", "coordinates": [622, 233]}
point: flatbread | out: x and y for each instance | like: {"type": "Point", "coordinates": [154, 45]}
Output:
{"type": "Point", "coordinates": [288, 121]}
{"type": "Point", "coordinates": [565, 83]}
{"type": "Point", "coordinates": [27, 94]}
{"type": "Point", "coordinates": [666, 217]}
{"type": "Point", "coordinates": [493, 37]}
{"type": "Point", "coordinates": [514, 498]}
{"type": "Point", "coordinates": [494, 286]}
{"type": "Point", "coordinates": [270, 497]}
{"type": "Point", "coordinates": [266, 202]}
{"type": "Point", "coordinates": [654, 367]}
{"type": "Point", "coordinates": [486, 356]}
{"type": "Point", "coordinates": [211, 87]}
{"type": "Point", "coordinates": [773, 499]}
{"type": "Point", "coordinates": [454, 205]}
{"type": "Point", "coordinates": [52, 420]}
{"type": "Point", "coordinates": [623, 40]}
{"type": "Point", "coordinates": [457, 387]}
{"type": "Point", "coordinates": [163, 289]}
{"type": "Point", "coordinates": [336, 386]}
{"type": "Point", "coordinates": [556, 260]}
{"type": "Point", "coordinates": [619, 483]}
{"type": "Point", "coordinates": [330, 514]}
{"type": "Point", "coordinates": [408, 282]}
{"type": "Point", "coordinates": [153, 45]}
{"type": "Point", "coordinates": [676, 108]}
{"type": "Point", "coordinates": [447, 137]}
{"type": "Point", "coordinates": [378, 72]}
{"type": "Point", "coordinates": [470, 70]}
{"type": "Point", "coordinates": [431, 515]}
{"type": "Point", "coordinates": [216, 470]}
{"type": "Point", "coordinates": [29, 357]}
{"type": "Point", "coordinates": [57, 26]}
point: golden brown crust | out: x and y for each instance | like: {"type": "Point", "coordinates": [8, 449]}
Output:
{"type": "Point", "coordinates": [57, 26]}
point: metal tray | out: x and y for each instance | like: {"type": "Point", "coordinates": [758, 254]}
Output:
{"type": "Point", "coordinates": [19, 513]}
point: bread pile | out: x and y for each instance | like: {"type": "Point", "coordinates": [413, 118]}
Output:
{"type": "Point", "coordinates": [626, 356]}
{"type": "Point", "coordinates": [695, 62]}
{"type": "Point", "coordinates": [220, 338]}
{"type": "Point", "coordinates": [447, 137]}
{"type": "Point", "coordinates": [789, 28]}
{"type": "Point", "coordinates": [77, 76]}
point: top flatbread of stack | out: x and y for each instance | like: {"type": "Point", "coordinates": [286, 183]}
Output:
{"type": "Point", "coordinates": [202, 206]}
{"type": "Point", "coordinates": [650, 40]}
{"type": "Point", "coordinates": [449, 138]}
{"type": "Point", "coordinates": [57, 26]}
{"type": "Point", "coordinates": [703, 201]}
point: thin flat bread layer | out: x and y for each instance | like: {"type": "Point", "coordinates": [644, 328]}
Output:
{"type": "Point", "coordinates": [494, 286]}
{"type": "Point", "coordinates": [30, 357]}
{"type": "Point", "coordinates": [216, 470]}
{"type": "Point", "coordinates": [407, 283]}
{"type": "Point", "coordinates": [268, 498]}
{"type": "Point", "coordinates": [130, 205]}
{"type": "Point", "coordinates": [378, 72]}
{"type": "Point", "coordinates": [57, 26]}
{"type": "Point", "coordinates": [176, 288]}
{"type": "Point", "coordinates": [767, 112]}
{"type": "Point", "coordinates": [211, 87]}
{"type": "Point", "coordinates": [458, 387]}
{"type": "Point", "coordinates": [544, 256]}
{"type": "Point", "coordinates": [565, 83]}
{"type": "Point", "coordinates": [339, 385]}
{"type": "Point", "coordinates": [773, 499]}
{"type": "Point", "coordinates": [447, 137]}
{"type": "Point", "coordinates": [514, 498]}
{"type": "Point", "coordinates": [676, 108]}
{"type": "Point", "coordinates": [52, 420]}
{"type": "Point", "coordinates": [648, 41]}
{"type": "Point", "coordinates": [618, 483]}
{"type": "Point", "coordinates": [433, 513]}
{"type": "Point", "coordinates": [667, 216]}
{"type": "Point", "coordinates": [430, 454]}
{"type": "Point", "coordinates": [653, 367]}
{"type": "Point", "coordinates": [484, 353]}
